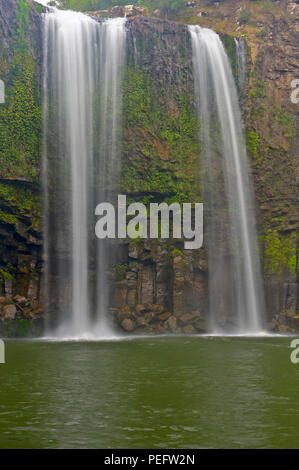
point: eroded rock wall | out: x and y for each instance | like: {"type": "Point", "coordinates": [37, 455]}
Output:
{"type": "Point", "coordinates": [157, 285]}
{"type": "Point", "coordinates": [271, 119]}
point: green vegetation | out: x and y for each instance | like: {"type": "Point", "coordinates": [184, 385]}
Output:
{"type": "Point", "coordinates": [20, 116]}
{"type": "Point", "coordinates": [165, 6]}
{"type": "Point", "coordinates": [20, 121]}
{"type": "Point", "coordinates": [20, 127]}
{"type": "Point", "coordinates": [229, 45]}
{"type": "Point", "coordinates": [258, 89]}
{"type": "Point", "coordinates": [244, 16]}
{"type": "Point", "coordinates": [119, 271]}
{"type": "Point", "coordinates": [280, 252]}
{"type": "Point", "coordinates": [286, 122]}
{"type": "Point", "coordinates": [253, 143]}
{"type": "Point", "coordinates": [160, 143]}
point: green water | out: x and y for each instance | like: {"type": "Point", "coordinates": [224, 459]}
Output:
{"type": "Point", "coordinates": [184, 392]}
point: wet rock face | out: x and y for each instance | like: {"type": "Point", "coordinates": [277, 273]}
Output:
{"type": "Point", "coordinates": [161, 281]}
{"type": "Point", "coordinates": [163, 50]}
{"type": "Point", "coordinates": [125, 11]}
{"type": "Point", "coordinates": [163, 289]}
{"type": "Point", "coordinates": [152, 318]}
{"type": "Point", "coordinates": [9, 10]}
{"type": "Point", "coordinates": [21, 263]}
{"type": "Point", "coordinates": [272, 135]}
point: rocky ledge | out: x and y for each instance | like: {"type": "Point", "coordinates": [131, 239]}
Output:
{"type": "Point", "coordinates": [153, 318]}
{"type": "Point", "coordinates": [286, 322]}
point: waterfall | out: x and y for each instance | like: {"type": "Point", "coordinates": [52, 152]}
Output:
{"type": "Point", "coordinates": [235, 286]}
{"type": "Point", "coordinates": [241, 56]}
{"type": "Point", "coordinates": [112, 41]}
{"type": "Point", "coordinates": [83, 62]}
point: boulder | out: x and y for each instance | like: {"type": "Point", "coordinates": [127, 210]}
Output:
{"type": "Point", "coordinates": [9, 311]}
{"type": "Point", "coordinates": [128, 325]}
{"type": "Point", "coordinates": [171, 323]}
{"type": "Point", "coordinates": [140, 309]}
{"type": "Point", "coordinates": [117, 12]}
{"type": "Point", "coordinates": [150, 317]}
{"type": "Point", "coordinates": [133, 10]}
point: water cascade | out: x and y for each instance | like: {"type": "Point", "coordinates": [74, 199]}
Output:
{"type": "Point", "coordinates": [83, 63]}
{"type": "Point", "coordinates": [236, 302]}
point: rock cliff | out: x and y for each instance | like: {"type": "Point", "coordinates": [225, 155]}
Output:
{"type": "Point", "coordinates": [157, 285]}
{"type": "Point", "coordinates": [20, 154]}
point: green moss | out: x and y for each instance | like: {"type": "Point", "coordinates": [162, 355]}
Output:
{"type": "Point", "coordinates": [253, 143]}
{"type": "Point", "coordinates": [119, 271]}
{"type": "Point", "coordinates": [18, 201]}
{"type": "Point", "coordinates": [135, 242]}
{"type": "Point", "coordinates": [20, 124]}
{"type": "Point", "coordinates": [260, 89]}
{"type": "Point", "coordinates": [286, 121]}
{"type": "Point", "coordinates": [90, 5]}
{"type": "Point", "coordinates": [230, 47]}
{"type": "Point", "coordinates": [5, 275]}
{"type": "Point", "coordinates": [8, 218]}
{"type": "Point", "coordinates": [279, 252]}
{"type": "Point", "coordinates": [24, 199]}
{"type": "Point", "coordinates": [175, 253]}
{"type": "Point", "coordinates": [161, 152]}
